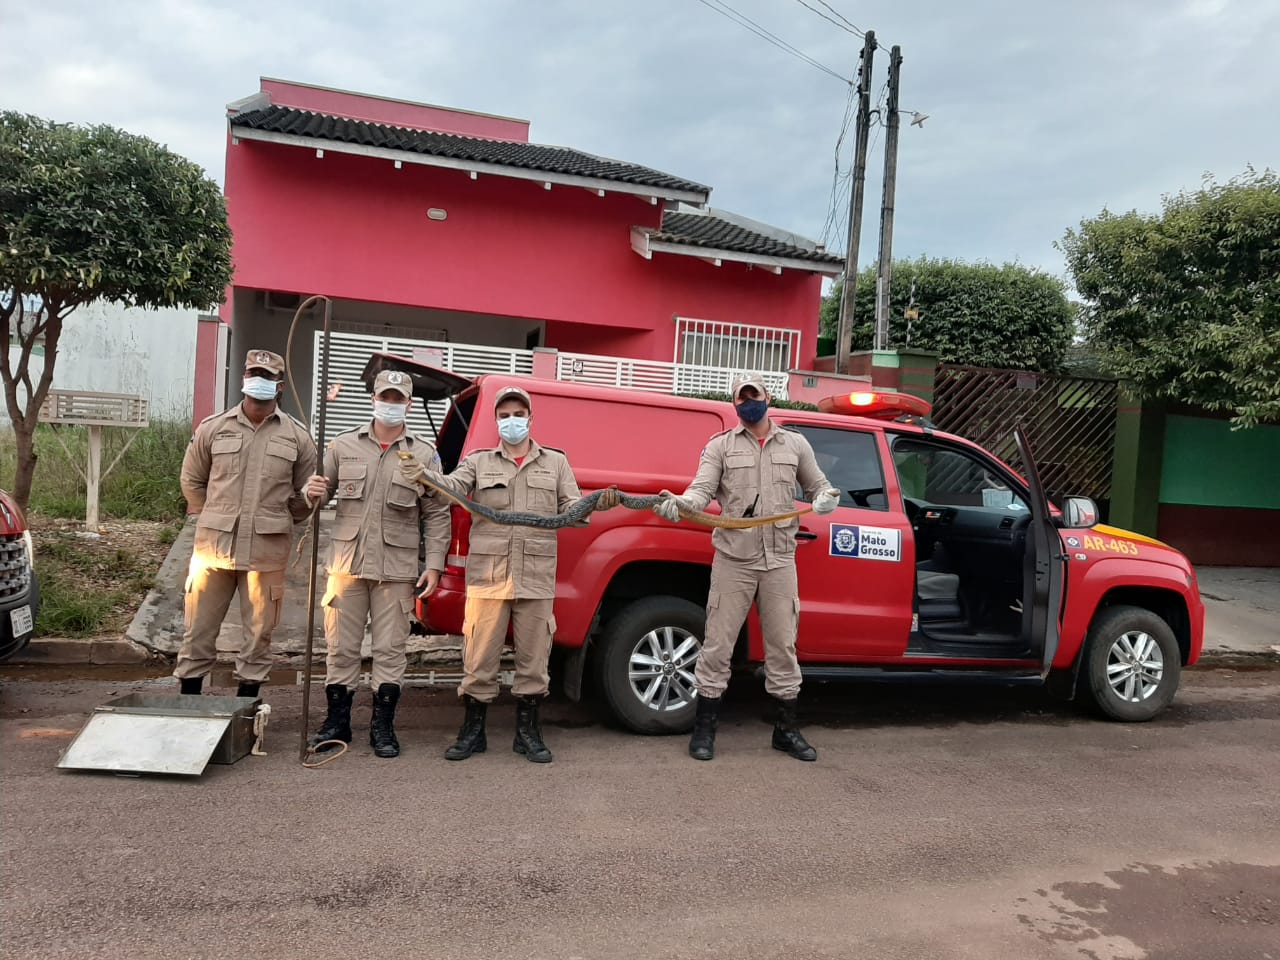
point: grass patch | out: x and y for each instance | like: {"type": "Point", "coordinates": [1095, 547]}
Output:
{"type": "Point", "coordinates": [91, 587]}
{"type": "Point", "coordinates": [142, 486]}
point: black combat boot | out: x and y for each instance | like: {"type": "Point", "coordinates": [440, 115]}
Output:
{"type": "Point", "coordinates": [785, 735]}
{"type": "Point", "coordinates": [702, 745]}
{"type": "Point", "coordinates": [528, 733]}
{"type": "Point", "coordinates": [471, 738]}
{"type": "Point", "coordinates": [382, 733]}
{"type": "Point", "coordinates": [248, 688]}
{"type": "Point", "coordinates": [337, 725]}
{"type": "Point", "coordinates": [191, 685]}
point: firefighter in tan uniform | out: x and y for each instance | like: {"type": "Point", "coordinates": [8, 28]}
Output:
{"type": "Point", "coordinates": [244, 474]}
{"type": "Point", "coordinates": [511, 574]}
{"type": "Point", "coordinates": [373, 560]}
{"type": "Point", "coordinates": [752, 471]}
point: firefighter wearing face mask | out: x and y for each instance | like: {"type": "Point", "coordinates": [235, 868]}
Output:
{"type": "Point", "coordinates": [511, 574]}
{"type": "Point", "coordinates": [373, 558]}
{"type": "Point", "coordinates": [752, 470]}
{"type": "Point", "coordinates": [243, 474]}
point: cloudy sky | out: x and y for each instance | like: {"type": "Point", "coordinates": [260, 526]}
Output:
{"type": "Point", "coordinates": [1039, 113]}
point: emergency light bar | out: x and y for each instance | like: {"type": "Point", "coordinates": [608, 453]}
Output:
{"type": "Point", "coordinates": [878, 404]}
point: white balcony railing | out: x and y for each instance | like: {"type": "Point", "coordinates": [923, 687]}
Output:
{"type": "Point", "coordinates": [657, 375]}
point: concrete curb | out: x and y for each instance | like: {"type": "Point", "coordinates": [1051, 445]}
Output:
{"type": "Point", "coordinates": [60, 651]}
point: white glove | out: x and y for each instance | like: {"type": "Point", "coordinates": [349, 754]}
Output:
{"type": "Point", "coordinates": [668, 508]}
{"type": "Point", "coordinates": [826, 501]}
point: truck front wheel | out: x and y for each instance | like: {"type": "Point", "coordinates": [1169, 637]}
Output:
{"type": "Point", "coordinates": [1132, 664]}
{"type": "Point", "coordinates": [645, 659]}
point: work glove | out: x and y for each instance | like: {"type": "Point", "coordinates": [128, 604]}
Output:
{"type": "Point", "coordinates": [609, 498]}
{"type": "Point", "coordinates": [668, 508]}
{"type": "Point", "coordinates": [826, 501]}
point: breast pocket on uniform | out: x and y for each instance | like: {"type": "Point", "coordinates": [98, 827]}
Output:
{"type": "Point", "coordinates": [542, 491]}
{"type": "Point", "coordinates": [401, 494]}
{"type": "Point", "coordinates": [224, 455]}
{"type": "Point", "coordinates": [351, 479]}
{"type": "Point", "coordinates": [282, 453]}
{"type": "Point", "coordinates": [493, 490]}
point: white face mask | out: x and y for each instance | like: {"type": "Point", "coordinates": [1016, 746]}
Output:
{"type": "Point", "coordinates": [260, 388]}
{"type": "Point", "coordinates": [514, 429]}
{"type": "Point", "coordinates": [391, 414]}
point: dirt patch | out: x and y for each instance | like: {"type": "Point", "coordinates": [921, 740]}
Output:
{"type": "Point", "coordinates": [91, 586]}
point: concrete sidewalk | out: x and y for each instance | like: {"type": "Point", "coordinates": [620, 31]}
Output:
{"type": "Point", "coordinates": [1242, 609]}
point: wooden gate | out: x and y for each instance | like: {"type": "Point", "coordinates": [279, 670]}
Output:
{"type": "Point", "coordinates": [1070, 421]}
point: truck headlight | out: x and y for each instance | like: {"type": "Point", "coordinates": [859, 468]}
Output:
{"type": "Point", "coordinates": [31, 550]}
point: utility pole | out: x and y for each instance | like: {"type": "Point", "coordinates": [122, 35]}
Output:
{"type": "Point", "coordinates": [884, 274]}
{"type": "Point", "coordinates": [844, 326]}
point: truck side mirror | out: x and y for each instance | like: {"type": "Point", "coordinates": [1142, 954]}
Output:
{"type": "Point", "coordinates": [1079, 513]}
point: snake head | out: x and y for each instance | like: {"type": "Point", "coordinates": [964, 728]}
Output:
{"type": "Point", "coordinates": [411, 468]}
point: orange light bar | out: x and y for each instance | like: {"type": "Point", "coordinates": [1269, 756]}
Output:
{"type": "Point", "coordinates": [880, 404]}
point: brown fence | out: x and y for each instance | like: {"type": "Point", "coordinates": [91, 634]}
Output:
{"type": "Point", "coordinates": [1070, 422]}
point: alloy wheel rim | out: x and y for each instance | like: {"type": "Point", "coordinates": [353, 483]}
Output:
{"type": "Point", "coordinates": [1135, 666]}
{"type": "Point", "coordinates": [661, 668]}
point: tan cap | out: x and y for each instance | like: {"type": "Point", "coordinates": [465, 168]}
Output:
{"type": "Point", "coordinates": [266, 360]}
{"type": "Point", "coordinates": [508, 393]}
{"type": "Point", "coordinates": [748, 380]}
{"type": "Point", "coordinates": [402, 383]}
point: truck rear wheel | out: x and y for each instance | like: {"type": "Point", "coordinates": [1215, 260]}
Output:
{"type": "Point", "coordinates": [646, 657]}
{"type": "Point", "coordinates": [1132, 664]}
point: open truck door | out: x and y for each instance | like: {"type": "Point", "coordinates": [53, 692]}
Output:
{"type": "Point", "coordinates": [1044, 566]}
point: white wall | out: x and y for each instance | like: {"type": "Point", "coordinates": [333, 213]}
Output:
{"type": "Point", "coordinates": [111, 348]}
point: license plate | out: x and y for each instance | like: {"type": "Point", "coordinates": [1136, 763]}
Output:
{"type": "Point", "coordinates": [20, 618]}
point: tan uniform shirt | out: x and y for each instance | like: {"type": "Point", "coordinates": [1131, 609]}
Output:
{"type": "Point", "coordinates": [247, 486]}
{"type": "Point", "coordinates": [375, 533]}
{"type": "Point", "coordinates": [741, 475]}
{"type": "Point", "coordinates": [514, 563]}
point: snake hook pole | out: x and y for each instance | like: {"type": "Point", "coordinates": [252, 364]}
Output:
{"type": "Point", "coordinates": [322, 387]}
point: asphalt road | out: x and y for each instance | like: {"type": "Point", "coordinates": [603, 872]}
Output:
{"type": "Point", "coordinates": [938, 823]}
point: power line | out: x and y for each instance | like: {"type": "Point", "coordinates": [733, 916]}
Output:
{"type": "Point", "coordinates": [722, 8]}
{"type": "Point", "coordinates": [846, 27]}
{"type": "Point", "coordinates": [829, 223]}
{"type": "Point", "coordinates": [852, 26]}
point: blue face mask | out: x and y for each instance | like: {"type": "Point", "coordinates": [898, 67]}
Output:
{"type": "Point", "coordinates": [260, 388]}
{"type": "Point", "coordinates": [752, 411]}
{"type": "Point", "coordinates": [514, 429]}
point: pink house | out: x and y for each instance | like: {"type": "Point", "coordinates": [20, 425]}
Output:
{"type": "Point", "coordinates": [434, 226]}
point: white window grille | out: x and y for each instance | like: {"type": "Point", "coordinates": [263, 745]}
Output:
{"type": "Point", "coordinates": [349, 352]}
{"type": "Point", "coordinates": [739, 346]}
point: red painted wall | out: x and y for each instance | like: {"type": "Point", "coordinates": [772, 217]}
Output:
{"type": "Point", "coordinates": [400, 113]}
{"type": "Point", "coordinates": [356, 227]}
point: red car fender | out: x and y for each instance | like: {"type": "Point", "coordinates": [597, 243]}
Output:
{"type": "Point", "coordinates": [1091, 579]}
{"type": "Point", "coordinates": [581, 583]}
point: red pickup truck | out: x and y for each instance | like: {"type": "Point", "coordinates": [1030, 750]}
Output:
{"type": "Point", "coordinates": [939, 561]}
{"type": "Point", "coordinates": [19, 590]}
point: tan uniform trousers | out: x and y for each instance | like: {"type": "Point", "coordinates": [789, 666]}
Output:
{"type": "Point", "coordinates": [209, 592]}
{"type": "Point", "coordinates": [483, 632]}
{"type": "Point", "coordinates": [734, 585]}
{"type": "Point", "coordinates": [350, 602]}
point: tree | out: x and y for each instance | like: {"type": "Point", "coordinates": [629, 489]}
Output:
{"type": "Point", "coordinates": [1186, 304]}
{"type": "Point", "coordinates": [91, 213]}
{"type": "Point", "coordinates": [979, 314]}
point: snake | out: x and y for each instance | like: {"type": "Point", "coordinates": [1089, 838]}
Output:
{"type": "Point", "coordinates": [415, 471]}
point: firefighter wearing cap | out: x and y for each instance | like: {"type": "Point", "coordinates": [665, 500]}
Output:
{"type": "Point", "coordinates": [752, 470]}
{"type": "Point", "coordinates": [244, 474]}
{"type": "Point", "coordinates": [511, 574]}
{"type": "Point", "coordinates": [373, 558]}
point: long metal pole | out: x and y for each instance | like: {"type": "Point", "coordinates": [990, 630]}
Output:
{"type": "Point", "coordinates": [844, 327]}
{"type": "Point", "coordinates": [323, 387]}
{"type": "Point", "coordinates": [884, 275]}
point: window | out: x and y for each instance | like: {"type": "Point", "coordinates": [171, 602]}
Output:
{"type": "Point", "coordinates": [951, 478]}
{"type": "Point", "coordinates": [737, 346]}
{"type": "Point", "coordinates": [851, 462]}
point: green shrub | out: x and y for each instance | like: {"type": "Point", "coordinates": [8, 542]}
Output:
{"type": "Point", "coordinates": [142, 486]}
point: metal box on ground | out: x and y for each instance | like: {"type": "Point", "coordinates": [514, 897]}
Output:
{"type": "Point", "coordinates": [163, 733]}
